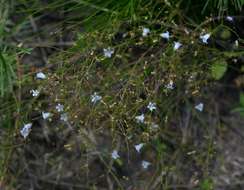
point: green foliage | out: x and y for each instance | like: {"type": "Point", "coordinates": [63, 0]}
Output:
{"type": "Point", "coordinates": [242, 99]}
{"type": "Point", "coordinates": [206, 184]}
{"type": "Point", "coordinates": [240, 108]}
{"type": "Point", "coordinates": [223, 5]}
{"type": "Point", "coordinates": [218, 69]}
{"type": "Point", "coordinates": [7, 73]}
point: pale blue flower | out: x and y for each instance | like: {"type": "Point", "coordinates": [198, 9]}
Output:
{"type": "Point", "coordinates": [108, 52]}
{"type": "Point", "coordinates": [59, 107]}
{"type": "Point", "coordinates": [25, 131]}
{"type": "Point", "coordinates": [145, 32]}
{"type": "Point", "coordinates": [205, 38]}
{"type": "Point", "coordinates": [165, 35]}
{"type": "Point", "coordinates": [199, 107]}
{"type": "Point", "coordinates": [46, 115]}
{"type": "Point", "coordinates": [138, 147]}
{"type": "Point", "coordinates": [145, 164]}
{"type": "Point", "coordinates": [151, 106]}
{"type": "Point", "coordinates": [177, 45]}
{"type": "Point", "coordinates": [40, 75]}
{"type": "Point", "coordinates": [229, 18]}
{"type": "Point", "coordinates": [95, 98]}
{"type": "Point", "coordinates": [170, 85]}
{"type": "Point", "coordinates": [35, 92]}
{"type": "Point", "coordinates": [115, 154]}
{"type": "Point", "coordinates": [140, 118]}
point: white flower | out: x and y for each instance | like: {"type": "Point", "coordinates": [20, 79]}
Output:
{"type": "Point", "coordinates": [95, 98]}
{"type": "Point", "coordinates": [25, 131]}
{"type": "Point", "coordinates": [60, 107]}
{"type": "Point", "coordinates": [140, 118]}
{"type": "Point", "coordinates": [177, 45]}
{"type": "Point", "coordinates": [229, 18]}
{"type": "Point", "coordinates": [46, 115]}
{"type": "Point", "coordinates": [64, 117]}
{"type": "Point", "coordinates": [115, 154]}
{"type": "Point", "coordinates": [138, 147]}
{"type": "Point", "coordinates": [199, 107]}
{"type": "Point", "coordinates": [145, 164]}
{"type": "Point", "coordinates": [151, 106]}
{"type": "Point", "coordinates": [108, 52]}
{"type": "Point", "coordinates": [145, 32]}
{"type": "Point", "coordinates": [170, 85]}
{"type": "Point", "coordinates": [236, 43]}
{"type": "Point", "coordinates": [205, 38]}
{"type": "Point", "coordinates": [35, 92]}
{"type": "Point", "coordinates": [40, 75]}
{"type": "Point", "coordinates": [165, 35]}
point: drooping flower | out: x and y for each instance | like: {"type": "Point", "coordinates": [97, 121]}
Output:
{"type": "Point", "coordinates": [115, 154]}
{"type": "Point", "coordinates": [140, 118]}
{"type": "Point", "coordinates": [138, 147]}
{"type": "Point", "coordinates": [177, 45]}
{"type": "Point", "coordinates": [40, 75]}
{"type": "Point", "coordinates": [170, 85]}
{"type": "Point", "coordinates": [95, 98]}
{"type": "Point", "coordinates": [64, 117]}
{"type": "Point", "coordinates": [108, 52]}
{"type": "Point", "coordinates": [229, 18]}
{"type": "Point", "coordinates": [205, 38]}
{"type": "Point", "coordinates": [165, 35]}
{"type": "Point", "coordinates": [145, 32]}
{"type": "Point", "coordinates": [35, 92]}
{"type": "Point", "coordinates": [145, 164]}
{"type": "Point", "coordinates": [59, 107]}
{"type": "Point", "coordinates": [46, 115]}
{"type": "Point", "coordinates": [25, 131]}
{"type": "Point", "coordinates": [151, 106]}
{"type": "Point", "coordinates": [199, 107]}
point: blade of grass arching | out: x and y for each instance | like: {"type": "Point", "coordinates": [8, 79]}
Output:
{"type": "Point", "coordinates": [115, 10]}
{"type": "Point", "coordinates": [239, 4]}
{"type": "Point", "coordinates": [7, 74]}
{"type": "Point", "coordinates": [205, 6]}
{"type": "Point", "coordinates": [32, 9]}
{"type": "Point", "coordinates": [11, 74]}
{"type": "Point", "coordinates": [132, 11]}
{"type": "Point", "coordinates": [95, 6]}
{"type": "Point", "coordinates": [2, 63]}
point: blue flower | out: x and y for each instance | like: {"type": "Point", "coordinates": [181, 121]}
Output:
{"type": "Point", "coordinates": [165, 35]}
{"type": "Point", "coordinates": [108, 52]}
{"type": "Point", "coordinates": [40, 75]}
{"type": "Point", "coordinates": [151, 106]}
{"type": "Point", "coordinates": [140, 118]}
{"type": "Point", "coordinates": [145, 32]}
{"type": "Point", "coordinates": [95, 98]}
{"type": "Point", "coordinates": [115, 154]}
{"type": "Point", "coordinates": [205, 38]}
{"type": "Point", "coordinates": [25, 131]}
{"type": "Point", "coordinates": [177, 45]}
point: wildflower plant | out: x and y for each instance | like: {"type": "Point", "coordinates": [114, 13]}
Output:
{"type": "Point", "coordinates": [139, 93]}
